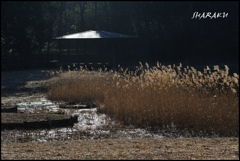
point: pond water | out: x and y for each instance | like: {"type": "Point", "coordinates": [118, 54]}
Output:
{"type": "Point", "coordinates": [42, 104]}
{"type": "Point", "coordinates": [90, 125]}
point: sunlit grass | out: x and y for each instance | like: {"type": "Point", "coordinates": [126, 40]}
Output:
{"type": "Point", "coordinates": [158, 97]}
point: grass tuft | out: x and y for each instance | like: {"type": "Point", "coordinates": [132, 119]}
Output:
{"type": "Point", "coordinates": [158, 97]}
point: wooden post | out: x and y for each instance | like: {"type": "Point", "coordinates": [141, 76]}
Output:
{"type": "Point", "coordinates": [78, 47]}
{"type": "Point", "coordinates": [60, 55]}
{"type": "Point", "coordinates": [68, 47]}
{"type": "Point", "coordinates": [135, 49]}
{"type": "Point", "coordinates": [60, 46]}
{"type": "Point", "coordinates": [85, 44]}
{"type": "Point", "coordinates": [113, 53]}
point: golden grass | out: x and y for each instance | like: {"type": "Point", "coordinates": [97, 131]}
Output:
{"type": "Point", "coordinates": [159, 96]}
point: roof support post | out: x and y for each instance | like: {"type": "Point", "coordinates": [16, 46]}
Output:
{"type": "Point", "coordinates": [68, 48]}
{"type": "Point", "coordinates": [135, 50]}
{"type": "Point", "coordinates": [78, 46]}
{"type": "Point", "coordinates": [60, 46]}
{"type": "Point", "coordinates": [60, 55]}
{"type": "Point", "coordinates": [85, 46]}
{"type": "Point", "coordinates": [113, 53]}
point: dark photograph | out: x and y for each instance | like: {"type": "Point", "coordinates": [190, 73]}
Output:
{"type": "Point", "coordinates": [114, 80]}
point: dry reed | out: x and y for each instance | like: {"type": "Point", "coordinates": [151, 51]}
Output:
{"type": "Point", "coordinates": [158, 97]}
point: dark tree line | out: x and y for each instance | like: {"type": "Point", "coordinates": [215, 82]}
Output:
{"type": "Point", "coordinates": [167, 27]}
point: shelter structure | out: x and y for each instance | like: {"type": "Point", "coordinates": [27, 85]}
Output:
{"type": "Point", "coordinates": [96, 47]}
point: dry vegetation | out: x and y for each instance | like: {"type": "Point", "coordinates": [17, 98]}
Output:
{"type": "Point", "coordinates": [157, 97]}
{"type": "Point", "coordinates": [131, 149]}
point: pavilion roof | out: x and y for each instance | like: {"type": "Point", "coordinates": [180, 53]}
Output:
{"type": "Point", "coordinates": [91, 34]}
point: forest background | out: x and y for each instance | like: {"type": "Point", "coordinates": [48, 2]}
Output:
{"type": "Point", "coordinates": [27, 27]}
